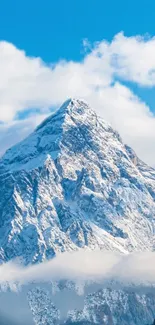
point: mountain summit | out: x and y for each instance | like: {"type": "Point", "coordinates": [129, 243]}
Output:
{"type": "Point", "coordinates": [73, 184]}
{"type": "Point", "coordinates": [50, 136]}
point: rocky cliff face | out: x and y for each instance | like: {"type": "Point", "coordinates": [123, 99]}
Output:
{"type": "Point", "coordinates": [106, 306]}
{"type": "Point", "coordinates": [73, 184]}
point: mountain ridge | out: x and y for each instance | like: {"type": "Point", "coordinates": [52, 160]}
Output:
{"type": "Point", "coordinates": [73, 184]}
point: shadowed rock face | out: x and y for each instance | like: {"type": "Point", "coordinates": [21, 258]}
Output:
{"type": "Point", "coordinates": [14, 308]}
{"type": "Point", "coordinates": [5, 320]}
{"type": "Point", "coordinates": [73, 184]}
{"type": "Point", "coordinates": [105, 306]}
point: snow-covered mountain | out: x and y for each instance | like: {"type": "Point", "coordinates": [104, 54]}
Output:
{"type": "Point", "coordinates": [106, 307]}
{"type": "Point", "coordinates": [110, 307]}
{"type": "Point", "coordinates": [73, 184]}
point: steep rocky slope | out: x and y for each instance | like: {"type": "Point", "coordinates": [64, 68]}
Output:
{"type": "Point", "coordinates": [106, 307]}
{"type": "Point", "coordinates": [111, 307]}
{"type": "Point", "coordinates": [73, 184]}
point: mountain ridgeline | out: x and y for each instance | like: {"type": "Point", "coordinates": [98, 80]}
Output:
{"type": "Point", "coordinates": [73, 184]}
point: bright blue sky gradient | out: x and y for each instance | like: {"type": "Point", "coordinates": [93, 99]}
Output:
{"type": "Point", "coordinates": [54, 29]}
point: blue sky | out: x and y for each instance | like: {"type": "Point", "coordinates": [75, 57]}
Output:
{"type": "Point", "coordinates": [55, 29]}
{"type": "Point", "coordinates": [36, 81]}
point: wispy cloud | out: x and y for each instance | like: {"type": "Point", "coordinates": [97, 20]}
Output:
{"type": "Point", "coordinates": [17, 130]}
{"type": "Point", "coordinates": [97, 266]}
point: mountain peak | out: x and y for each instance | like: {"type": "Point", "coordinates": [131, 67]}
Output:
{"type": "Point", "coordinates": [75, 108]}
{"type": "Point", "coordinates": [74, 127]}
{"type": "Point", "coordinates": [70, 107]}
{"type": "Point", "coordinates": [46, 139]}
{"type": "Point", "coordinates": [72, 183]}
{"type": "Point", "coordinates": [73, 104]}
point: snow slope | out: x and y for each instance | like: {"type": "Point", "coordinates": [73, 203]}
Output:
{"type": "Point", "coordinates": [73, 184]}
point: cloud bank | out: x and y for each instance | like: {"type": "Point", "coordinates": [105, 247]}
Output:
{"type": "Point", "coordinates": [29, 89]}
{"type": "Point", "coordinates": [85, 266]}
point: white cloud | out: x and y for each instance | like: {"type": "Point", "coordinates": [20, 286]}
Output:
{"type": "Point", "coordinates": [133, 58]}
{"type": "Point", "coordinates": [28, 83]}
{"type": "Point", "coordinates": [85, 266]}
{"type": "Point", "coordinates": [15, 131]}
